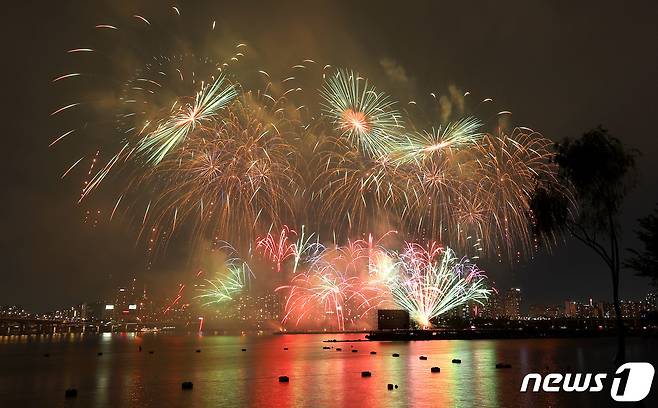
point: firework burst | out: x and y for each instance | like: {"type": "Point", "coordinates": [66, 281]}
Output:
{"type": "Point", "coordinates": [231, 177]}
{"type": "Point", "coordinates": [185, 118]}
{"type": "Point", "coordinates": [234, 281]}
{"type": "Point", "coordinates": [360, 113]}
{"type": "Point", "coordinates": [432, 282]}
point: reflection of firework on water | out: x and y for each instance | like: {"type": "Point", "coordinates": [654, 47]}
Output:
{"type": "Point", "coordinates": [366, 117]}
{"type": "Point", "coordinates": [431, 284]}
{"type": "Point", "coordinates": [232, 282]}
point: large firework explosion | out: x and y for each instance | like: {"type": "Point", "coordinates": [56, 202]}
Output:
{"type": "Point", "coordinates": [190, 143]}
{"type": "Point", "coordinates": [432, 284]}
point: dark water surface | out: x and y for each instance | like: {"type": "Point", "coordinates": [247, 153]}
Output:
{"type": "Point", "coordinates": [225, 376]}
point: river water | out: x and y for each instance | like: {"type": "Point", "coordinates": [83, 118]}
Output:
{"type": "Point", "coordinates": [225, 376]}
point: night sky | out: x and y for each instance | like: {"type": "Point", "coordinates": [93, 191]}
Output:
{"type": "Point", "coordinates": [560, 67]}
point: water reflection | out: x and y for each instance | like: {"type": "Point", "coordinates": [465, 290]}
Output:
{"type": "Point", "coordinates": [223, 375]}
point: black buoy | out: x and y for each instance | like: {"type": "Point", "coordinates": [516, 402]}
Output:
{"type": "Point", "coordinates": [46, 355]}
{"type": "Point", "coordinates": [503, 365]}
{"type": "Point", "coordinates": [366, 374]}
{"type": "Point", "coordinates": [100, 353]}
{"type": "Point", "coordinates": [456, 361]}
{"type": "Point", "coordinates": [70, 393]}
{"type": "Point", "coordinates": [396, 386]}
{"type": "Point", "coordinates": [284, 378]}
{"type": "Point", "coordinates": [187, 385]}
{"type": "Point", "coordinates": [244, 349]}
{"type": "Point", "coordinates": [140, 348]}
{"type": "Point", "coordinates": [326, 348]}
{"type": "Point", "coordinates": [396, 355]}
{"type": "Point", "coordinates": [339, 349]}
{"type": "Point", "coordinates": [355, 351]}
{"type": "Point", "coordinates": [151, 351]}
{"type": "Point", "coordinates": [389, 386]}
{"type": "Point", "coordinates": [285, 348]}
{"type": "Point", "coordinates": [435, 369]}
{"type": "Point", "coordinates": [422, 358]}
{"type": "Point", "coordinates": [373, 352]}
{"type": "Point", "coordinates": [198, 350]}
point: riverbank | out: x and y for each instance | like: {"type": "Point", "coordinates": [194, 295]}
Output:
{"type": "Point", "coordinates": [524, 333]}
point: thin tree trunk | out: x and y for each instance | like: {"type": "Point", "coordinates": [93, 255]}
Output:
{"type": "Point", "coordinates": [614, 252]}
{"type": "Point", "coordinates": [621, 349]}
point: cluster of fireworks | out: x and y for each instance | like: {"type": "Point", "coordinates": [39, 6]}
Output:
{"type": "Point", "coordinates": [194, 147]}
{"type": "Point", "coordinates": [339, 287]}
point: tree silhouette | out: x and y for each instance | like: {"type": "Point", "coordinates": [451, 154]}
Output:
{"type": "Point", "coordinates": [646, 262]}
{"type": "Point", "coordinates": [597, 169]}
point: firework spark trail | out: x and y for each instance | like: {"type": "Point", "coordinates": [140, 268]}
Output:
{"type": "Point", "coordinates": [510, 166]}
{"type": "Point", "coordinates": [225, 288]}
{"type": "Point", "coordinates": [335, 286]}
{"type": "Point", "coordinates": [427, 290]}
{"type": "Point", "coordinates": [173, 131]}
{"type": "Point", "coordinates": [178, 297]}
{"type": "Point", "coordinates": [304, 246]}
{"type": "Point", "coordinates": [235, 174]}
{"type": "Point", "coordinates": [354, 190]}
{"type": "Point", "coordinates": [360, 113]}
{"type": "Point", "coordinates": [229, 159]}
{"type": "Point", "coordinates": [420, 146]}
{"type": "Point", "coordinates": [342, 285]}
{"type": "Point", "coordinates": [278, 250]}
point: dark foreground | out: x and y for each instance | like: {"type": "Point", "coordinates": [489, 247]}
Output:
{"type": "Point", "coordinates": [225, 376]}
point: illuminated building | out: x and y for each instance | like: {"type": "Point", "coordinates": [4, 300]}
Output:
{"type": "Point", "coordinates": [512, 303]}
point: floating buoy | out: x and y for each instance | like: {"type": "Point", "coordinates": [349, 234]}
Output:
{"type": "Point", "coordinates": [456, 361]}
{"type": "Point", "coordinates": [366, 374]}
{"type": "Point", "coordinates": [422, 358]}
{"type": "Point", "coordinates": [503, 365]}
{"type": "Point", "coordinates": [396, 355]}
{"type": "Point", "coordinates": [435, 369]}
{"type": "Point", "coordinates": [100, 353]}
{"type": "Point", "coordinates": [339, 349]}
{"type": "Point", "coordinates": [355, 351]}
{"type": "Point", "coordinates": [396, 386]}
{"type": "Point", "coordinates": [285, 348]}
{"type": "Point", "coordinates": [46, 355]}
{"type": "Point", "coordinates": [198, 350]}
{"type": "Point", "coordinates": [284, 378]}
{"type": "Point", "coordinates": [389, 386]}
{"type": "Point", "coordinates": [373, 352]}
{"type": "Point", "coordinates": [140, 348]}
{"type": "Point", "coordinates": [70, 393]}
{"type": "Point", "coordinates": [326, 348]}
{"type": "Point", "coordinates": [244, 349]}
{"type": "Point", "coordinates": [187, 385]}
{"type": "Point", "coordinates": [151, 351]}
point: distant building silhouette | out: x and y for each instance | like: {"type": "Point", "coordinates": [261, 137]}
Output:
{"type": "Point", "coordinates": [512, 303]}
